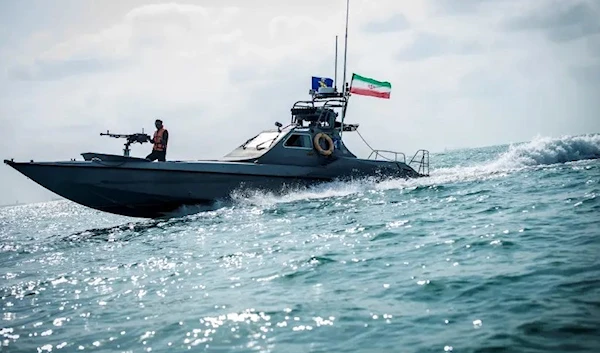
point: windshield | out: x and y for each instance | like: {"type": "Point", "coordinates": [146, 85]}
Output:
{"type": "Point", "coordinates": [262, 141]}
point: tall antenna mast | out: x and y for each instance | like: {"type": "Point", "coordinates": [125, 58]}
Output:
{"type": "Point", "coordinates": [335, 76]}
{"type": "Point", "coordinates": [344, 93]}
{"type": "Point", "coordinates": [346, 46]}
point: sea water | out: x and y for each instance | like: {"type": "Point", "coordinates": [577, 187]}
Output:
{"type": "Point", "coordinates": [497, 251]}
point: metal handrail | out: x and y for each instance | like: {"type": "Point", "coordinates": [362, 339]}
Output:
{"type": "Point", "coordinates": [423, 162]}
{"type": "Point", "coordinates": [378, 153]}
{"type": "Point", "coordinates": [324, 103]}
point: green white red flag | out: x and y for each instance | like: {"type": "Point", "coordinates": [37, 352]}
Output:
{"type": "Point", "coordinates": [366, 86]}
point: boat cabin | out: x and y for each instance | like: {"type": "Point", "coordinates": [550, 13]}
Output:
{"type": "Point", "coordinates": [313, 136]}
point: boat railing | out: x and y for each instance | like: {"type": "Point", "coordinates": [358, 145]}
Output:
{"type": "Point", "coordinates": [319, 103]}
{"type": "Point", "coordinates": [421, 158]}
{"type": "Point", "coordinates": [379, 153]}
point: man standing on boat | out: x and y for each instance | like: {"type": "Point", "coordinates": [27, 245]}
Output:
{"type": "Point", "coordinates": [160, 139]}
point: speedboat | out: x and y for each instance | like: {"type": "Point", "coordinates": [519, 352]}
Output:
{"type": "Point", "coordinates": [309, 150]}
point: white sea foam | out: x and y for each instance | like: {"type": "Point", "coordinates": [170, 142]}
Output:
{"type": "Point", "coordinates": [321, 191]}
{"type": "Point", "coordinates": [541, 151]}
{"type": "Point", "coordinates": [546, 151]}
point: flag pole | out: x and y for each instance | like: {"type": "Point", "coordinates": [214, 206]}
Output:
{"type": "Point", "coordinates": [346, 43]}
{"type": "Point", "coordinates": [336, 51]}
{"type": "Point", "coordinates": [345, 56]}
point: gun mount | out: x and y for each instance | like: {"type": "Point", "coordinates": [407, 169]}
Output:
{"type": "Point", "coordinates": [131, 138]}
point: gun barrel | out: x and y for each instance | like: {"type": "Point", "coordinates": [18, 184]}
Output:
{"type": "Point", "coordinates": [115, 135]}
{"type": "Point", "coordinates": [131, 138]}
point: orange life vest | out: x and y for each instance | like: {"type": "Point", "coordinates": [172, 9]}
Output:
{"type": "Point", "coordinates": [159, 145]}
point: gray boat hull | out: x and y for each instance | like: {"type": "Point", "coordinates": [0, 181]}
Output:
{"type": "Point", "coordinates": [138, 188]}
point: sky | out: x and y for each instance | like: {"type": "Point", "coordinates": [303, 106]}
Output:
{"type": "Point", "coordinates": [466, 73]}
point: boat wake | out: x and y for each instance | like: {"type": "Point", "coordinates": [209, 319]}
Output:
{"type": "Point", "coordinates": [548, 151]}
{"type": "Point", "coordinates": [541, 152]}
{"type": "Point", "coordinates": [187, 210]}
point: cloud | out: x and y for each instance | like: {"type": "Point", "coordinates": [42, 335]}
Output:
{"type": "Point", "coordinates": [394, 23]}
{"type": "Point", "coordinates": [486, 84]}
{"type": "Point", "coordinates": [593, 45]}
{"type": "Point", "coordinates": [588, 74]}
{"type": "Point", "coordinates": [459, 7]}
{"type": "Point", "coordinates": [561, 20]}
{"type": "Point", "coordinates": [192, 65]}
{"type": "Point", "coordinates": [43, 70]}
{"type": "Point", "coordinates": [159, 30]}
{"type": "Point", "coordinates": [428, 45]}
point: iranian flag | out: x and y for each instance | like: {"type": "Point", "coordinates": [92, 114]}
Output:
{"type": "Point", "coordinates": [369, 87]}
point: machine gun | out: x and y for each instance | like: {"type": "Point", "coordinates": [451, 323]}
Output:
{"type": "Point", "coordinates": [131, 138]}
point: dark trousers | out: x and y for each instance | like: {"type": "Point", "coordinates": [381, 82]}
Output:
{"type": "Point", "coordinates": [157, 155]}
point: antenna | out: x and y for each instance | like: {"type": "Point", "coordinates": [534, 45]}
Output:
{"type": "Point", "coordinates": [344, 93]}
{"type": "Point", "coordinates": [346, 45]}
{"type": "Point", "coordinates": [335, 75]}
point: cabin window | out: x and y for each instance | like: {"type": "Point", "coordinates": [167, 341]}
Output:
{"type": "Point", "coordinates": [299, 141]}
{"type": "Point", "coordinates": [263, 140]}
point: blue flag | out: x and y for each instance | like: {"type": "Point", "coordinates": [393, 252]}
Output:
{"type": "Point", "coordinates": [321, 82]}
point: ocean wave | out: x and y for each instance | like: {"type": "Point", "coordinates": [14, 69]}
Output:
{"type": "Point", "coordinates": [548, 151]}
{"type": "Point", "coordinates": [540, 152]}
